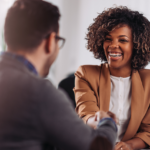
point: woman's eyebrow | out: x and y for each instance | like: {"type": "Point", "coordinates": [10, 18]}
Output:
{"type": "Point", "coordinates": [123, 36]}
{"type": "Point", "coordinates": [119, 35]}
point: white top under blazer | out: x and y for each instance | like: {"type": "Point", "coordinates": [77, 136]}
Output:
{"type": "Point", "coordinates": [120, 103]}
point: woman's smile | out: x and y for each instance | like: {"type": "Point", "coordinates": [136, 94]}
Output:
{"type": "Point", "coordinates": [115, 55]}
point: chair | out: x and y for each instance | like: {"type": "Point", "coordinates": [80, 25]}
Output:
{"type": "Point", "coordinates": [67, 85]}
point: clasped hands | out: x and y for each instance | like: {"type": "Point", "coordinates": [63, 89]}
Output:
{"type": "Point", "coordinates": [100, 115]}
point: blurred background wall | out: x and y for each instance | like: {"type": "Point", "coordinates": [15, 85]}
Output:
{"type": "Point", "coordinates": [76, 16]}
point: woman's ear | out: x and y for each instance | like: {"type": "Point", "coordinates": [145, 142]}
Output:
{"type": "Point", "coordinates": [50, 43]}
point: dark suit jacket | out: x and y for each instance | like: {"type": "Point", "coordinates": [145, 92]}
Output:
{"type": "Point", "coordinates": [34, 114]}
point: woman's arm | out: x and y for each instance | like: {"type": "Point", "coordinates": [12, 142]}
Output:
{"type": "Point", "coordinates": [137, 143]}
{"type": "Point", "coordinates": [133, 144]}
{"type": "Point", "coordinates": [141, 139]}
{"type": "Point", "coordinates": [86, 91]}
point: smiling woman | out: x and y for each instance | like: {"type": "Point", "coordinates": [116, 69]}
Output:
{"type": "Point", "coordinates": [121, 38]}
{"type": "Point", "coordinates": [118, 47]}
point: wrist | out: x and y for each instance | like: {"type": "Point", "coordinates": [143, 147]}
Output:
{"type": "Point", "coordinates": [107, 119]}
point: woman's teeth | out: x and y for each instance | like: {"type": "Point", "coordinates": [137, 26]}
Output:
{"type": "Point", "coordinates": [115, 55]}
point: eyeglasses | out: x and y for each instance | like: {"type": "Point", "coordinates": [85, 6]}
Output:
{"type": "Point", "coordinates": [60, 40]}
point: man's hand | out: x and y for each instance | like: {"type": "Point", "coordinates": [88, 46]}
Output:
{"type": "Point", "coordinates": [93, 121]}
{"type": "Point", "coordinates": [123, 146]}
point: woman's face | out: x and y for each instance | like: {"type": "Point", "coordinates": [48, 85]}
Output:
{"type": "Point", "coordinates": [118, 47]}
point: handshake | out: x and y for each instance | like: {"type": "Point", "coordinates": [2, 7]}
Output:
{"type": "Point", "coordinates": [94, 120]}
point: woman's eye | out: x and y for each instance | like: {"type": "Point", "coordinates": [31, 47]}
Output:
{"type": "Point", "coordinates": [122, 40]}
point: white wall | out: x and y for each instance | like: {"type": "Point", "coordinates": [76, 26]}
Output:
{"type": "Point", "coordinates": [4, 5]}
{"type": "Point", "coordinates": [77, 15]}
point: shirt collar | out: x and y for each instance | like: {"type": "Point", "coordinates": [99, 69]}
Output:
{"type": "Point", "coordinates": [23, 60]}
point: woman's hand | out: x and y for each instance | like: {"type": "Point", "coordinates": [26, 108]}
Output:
{"type": "Point", "coordinates": [123, 146]}
{"type": "Point", "coordinates": [93, 121]}
{"type": "Point", "coordinates": [100, 115]}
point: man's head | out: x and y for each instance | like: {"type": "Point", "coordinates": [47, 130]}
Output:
{"type": "Point", "coordinates": [28, 22]}
{"type": "Point", "coordinates": [31, 29]}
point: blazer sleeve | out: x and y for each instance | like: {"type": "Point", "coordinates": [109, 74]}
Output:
{"type": "Point", "coordinates": [86, 100]}
{"type": "Point", "coordinates": [144, 130]}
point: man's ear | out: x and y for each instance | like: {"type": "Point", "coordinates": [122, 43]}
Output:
{"type": "Point", "coordinates": [50, 44]}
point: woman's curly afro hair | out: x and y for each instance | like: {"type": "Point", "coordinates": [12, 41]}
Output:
{"type": "Point", "coordinates": [108, 20]}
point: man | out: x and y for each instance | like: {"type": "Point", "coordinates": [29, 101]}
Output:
{"type": "Point", "coordinates": [33, 114]}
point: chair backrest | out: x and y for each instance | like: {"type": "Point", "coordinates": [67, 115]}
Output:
{"type": "Point", "coordinates": [67, 85]}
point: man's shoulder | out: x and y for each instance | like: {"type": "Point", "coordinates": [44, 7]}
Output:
{"type": "Point", "coordinates": [15, 74]}
{"type": "Point", "coordinates": [35, 88]}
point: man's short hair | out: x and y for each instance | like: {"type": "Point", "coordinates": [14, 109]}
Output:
{"type": "Point", "coordinates": [28, 22]}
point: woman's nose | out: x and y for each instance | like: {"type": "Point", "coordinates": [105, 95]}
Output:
{"type": "Point", "coordinates": [114, 46]}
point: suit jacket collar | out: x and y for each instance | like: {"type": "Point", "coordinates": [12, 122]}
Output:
{"type": "Point", "coordinates": [22, 59]}
{"type": "Point", "coordinates": [11, 62]}
{"type": "Point", "coordinates": [137, 99]}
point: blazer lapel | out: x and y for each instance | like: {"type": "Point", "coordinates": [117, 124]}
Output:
{"type": "Point", "coordinates": [105, 88]}
{"type": "Point", "coordinates": [137, 106]}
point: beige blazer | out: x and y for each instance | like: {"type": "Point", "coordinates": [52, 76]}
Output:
{"type": "Point", "coordinates": [92, 93]}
